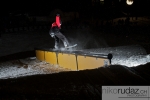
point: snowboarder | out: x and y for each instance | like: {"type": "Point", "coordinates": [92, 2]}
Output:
{"type": "Point", "coordinates": [56, 34]}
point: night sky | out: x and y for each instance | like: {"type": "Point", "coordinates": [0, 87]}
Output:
{"type": "Point", "coordinates": [44, 6]}
{"type": "Point", "coordinates": [23, 5]}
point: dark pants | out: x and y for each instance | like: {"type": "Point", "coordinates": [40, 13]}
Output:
{"type": "Point", "coordinates": [59, 36]}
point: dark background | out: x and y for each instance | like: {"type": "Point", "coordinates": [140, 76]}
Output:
{"type": "Point", "coordinates": [79, 5]}
{"type": "Point", "coordinates": [86, 84]}
{"type": "Point", "coordinates": [87, 8]}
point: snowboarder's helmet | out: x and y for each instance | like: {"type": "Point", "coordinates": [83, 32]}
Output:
{"type": "Point", "coordinates": [57, 14]}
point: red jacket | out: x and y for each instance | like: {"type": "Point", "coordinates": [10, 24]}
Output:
{"type": "Point", "coordinates": [57, 22]}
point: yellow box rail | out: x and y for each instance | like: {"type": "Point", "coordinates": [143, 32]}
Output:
{"type": "Point", "coordinates": [86, 62]}
{"type": "Point", "coordinates": [67, 61]}
{"type": "Point", "coordinates": [51, 57]}
{"type": "Point", "coordinates": [40, 54]}
{"type": "Point", "coordinates": [73, 61]}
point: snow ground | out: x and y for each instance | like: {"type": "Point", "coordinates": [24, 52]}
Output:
{"type": "Point", "coordinates": [27, 67]}
{"type": "Point", "coordinates": [130, 56]}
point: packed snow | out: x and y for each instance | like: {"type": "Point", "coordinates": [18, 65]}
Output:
{"type": "Point", "coordinates": [130, 56]}
{"type": "Point", "coordinates": [27, 67]}
{"type": "Point", "coordinates": [10, 43]}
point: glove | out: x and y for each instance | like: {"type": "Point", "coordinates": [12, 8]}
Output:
{"type": "Point", "coordinates": [52, 35]}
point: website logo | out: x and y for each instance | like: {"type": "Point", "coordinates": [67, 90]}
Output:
{"type": "Point", "coordinates": [125, 93]}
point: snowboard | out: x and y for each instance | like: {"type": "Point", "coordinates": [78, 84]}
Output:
{"type": "Point", "coordinates": [71, 46]}
{"type": "Point", "coordinates": [65, 48]}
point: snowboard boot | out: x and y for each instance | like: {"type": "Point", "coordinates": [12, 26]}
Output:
{"type": "Point", "coordinates": [65, 44]}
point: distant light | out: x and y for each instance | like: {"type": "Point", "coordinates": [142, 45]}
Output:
{"type": "Point", "coordinates": [129, 2]}
{"type": "Point", "coordinates": [101, 0]}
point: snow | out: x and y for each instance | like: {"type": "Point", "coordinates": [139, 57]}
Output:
{"type": "Point", "coordinates": [27, 67]}
{"type": "Point", "coordinates": [10, 43]}
{"type": "Point", "coordinates": [130, 56]}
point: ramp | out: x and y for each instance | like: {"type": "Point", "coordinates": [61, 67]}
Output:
{"type": "Point", "coordinates": [73, 60]}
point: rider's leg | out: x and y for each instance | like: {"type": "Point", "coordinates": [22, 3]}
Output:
{"type": "Point", "coordinates": [63, 38]}
{"type": "Point", "coordinates": [56, 42]}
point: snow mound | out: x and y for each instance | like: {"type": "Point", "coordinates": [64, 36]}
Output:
{"type": "Point", "coordinates": [130, 56]}
{"type": "Point", "coordinates": [27, 67]}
